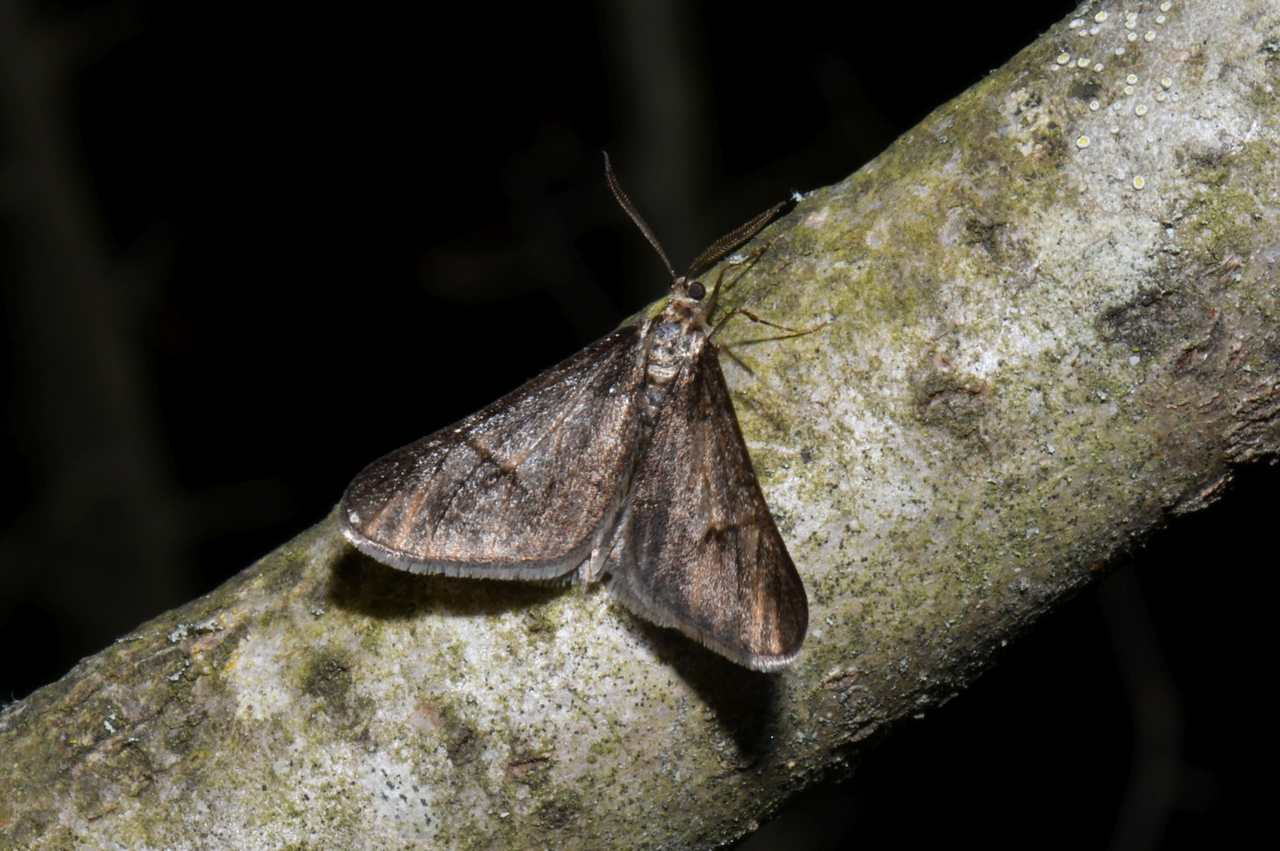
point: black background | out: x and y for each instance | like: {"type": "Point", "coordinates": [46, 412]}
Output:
{"type": "Point", "coordinates": [328, 232]}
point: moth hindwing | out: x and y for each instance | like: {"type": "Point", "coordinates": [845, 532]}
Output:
{"type": "Point", "coordinates": [626, 461]}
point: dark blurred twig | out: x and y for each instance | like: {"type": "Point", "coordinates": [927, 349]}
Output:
{"type": "Point", "coordinates": [1156, 773]}
{"type": "Point", "coordinates": [109, 536]}
{"type": "Point", "coordinates": [669, 129]}
{"type": "Point", "coordinates": [100, 534]}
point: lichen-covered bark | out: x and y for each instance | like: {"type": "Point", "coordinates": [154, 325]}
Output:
{"type": "Point", "coordinates": [1053, 325]}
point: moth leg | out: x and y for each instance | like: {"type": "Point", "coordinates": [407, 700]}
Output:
{"type": "Point", "coordinates": [613, 554]}
{"type": "Point", "coordinates": [748, 262]}
{"type": "Point", "coordinates": [792, 332]}
{"type": "Point", "coordinates": [606, 540]}
{"type": "Point", "coordinates": [594, 566]}
{"type": "Point", "coordinates": [739, 361]}
{"type": "Point", "coordinates": [715, 291]}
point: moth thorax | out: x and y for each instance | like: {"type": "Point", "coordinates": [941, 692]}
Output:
{"type": "Point", "coordinates": [670, 347]}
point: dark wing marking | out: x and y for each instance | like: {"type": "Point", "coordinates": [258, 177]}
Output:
{"type": "Point", "coordinates": [698, 549]}
{"type": "Point", "coordinates": [524, 489]}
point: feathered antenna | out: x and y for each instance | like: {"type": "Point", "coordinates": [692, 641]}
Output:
{"type": "Point", "coordinates": [631, 211]}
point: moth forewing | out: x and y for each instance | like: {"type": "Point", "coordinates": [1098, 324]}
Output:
{"type": "Point", "coordinates": [526, 488]}
{"type": "Point", "coordinates": [699, 550]}
{"type": "Point", "coordinates": [624, 460]}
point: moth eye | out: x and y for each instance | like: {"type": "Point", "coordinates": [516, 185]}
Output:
{"type": "Point", "coordinates": [697, 291]}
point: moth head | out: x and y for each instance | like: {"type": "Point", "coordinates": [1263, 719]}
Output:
{"type": "Point", "coordinates": [686, 289]}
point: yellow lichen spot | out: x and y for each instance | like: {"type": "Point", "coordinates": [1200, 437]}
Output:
{"type": "Point", "coordinates": [1098, 67]}
{"type": "Point", "coordinates": [1130, 24]}
{"type": "Point", "coordinates": [1083, 62]}
{"type": "Point", "coordinates": [1082, 142]}
{"type": "Point", "coordinates": [1131, 79]}
{"type": "Point", "coordinates": [1139, 182]}
{"type": "Point", "coordinates": [1100, 17]}
{"type": "Point", "coordinates": [1166, 6]}
{"type": "Point", "coordinates": [1128, 90]}
{"type": "Point", "coordinates": [1166, 82]}
{"type": "Point", "coordinates": [1093, 105]}
{"type": "Point", "coordinates": [1131, 16]}
{"type": "Point", "coordinates": [1160, 19]}
{"type": "Point", "coordinates": [1133, 36]}
{"type": "Point", "coordinates": [1140, 109]}
{"type": "Point", "coordinates": [1064, 58]}
{"type": "Point", "coordinates": [1160, 97]}
{"type": "Point", "coordinates": [1150, 36]}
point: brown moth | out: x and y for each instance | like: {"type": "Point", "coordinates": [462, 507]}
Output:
{"type": "Point", "coordinates": [625, 461]}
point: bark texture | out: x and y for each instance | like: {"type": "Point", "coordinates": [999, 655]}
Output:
{"type": "Point", "coordinates": [1053, 325]}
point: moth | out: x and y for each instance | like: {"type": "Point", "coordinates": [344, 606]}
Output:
{"type": "Point", "coordinates": [624, 462]}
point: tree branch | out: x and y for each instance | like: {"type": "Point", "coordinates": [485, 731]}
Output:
{"type": "Point", "coordinates": [1031, 363]}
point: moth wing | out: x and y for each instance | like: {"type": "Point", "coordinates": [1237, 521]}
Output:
{"type": "Point", "coordinates": [524, 489]}
{"type": "Point", "coordinates": [699, 550]}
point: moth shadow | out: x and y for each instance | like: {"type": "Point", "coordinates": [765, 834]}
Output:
{"type": "Point", "coordinates": [359, 584]}
{"type": "Point", "coordinates": [745, 702]}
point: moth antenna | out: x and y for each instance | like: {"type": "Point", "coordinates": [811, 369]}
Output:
{"type": "Point", "coordinates": [631, 211]}
{"type": "Point", "coordinates": [732, 240]}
